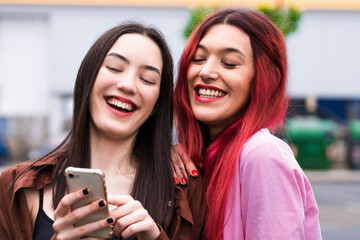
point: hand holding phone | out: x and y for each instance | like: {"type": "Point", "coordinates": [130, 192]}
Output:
{"type": "Point", "coordinates": [93, 180]}
{"type": "Point", "coordinates": [135, 220]}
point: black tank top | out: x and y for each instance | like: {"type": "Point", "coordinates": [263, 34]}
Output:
{"type": "Point", "coordinates": [43, 224]}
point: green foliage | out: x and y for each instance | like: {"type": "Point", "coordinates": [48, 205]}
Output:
{"type": "Point", "coordinates": [286, 19]}
{"type": "Point", "coordinates": [197, 15]}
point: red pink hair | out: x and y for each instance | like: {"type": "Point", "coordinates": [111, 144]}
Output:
{"type": "Point", "coordinates": [266, 108]}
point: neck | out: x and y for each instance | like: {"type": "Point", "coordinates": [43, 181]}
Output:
{"type": "Point", "coordinates": [112, 156]}
{"type": "Point", "coordinates": [214, 131]}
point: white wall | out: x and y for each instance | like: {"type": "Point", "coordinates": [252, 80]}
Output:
{"type": "Point", "coordinates": [324, 55]}
{"type": "Point", "coordinates": [23, 65]}
{"type": "Point", "coordinates": [73, 30]}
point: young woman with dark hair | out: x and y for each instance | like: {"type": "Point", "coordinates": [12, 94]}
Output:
{"type": "Point", "coordinates": [231, 89]}
{"type": "Point", "coordinates": [122, 124]}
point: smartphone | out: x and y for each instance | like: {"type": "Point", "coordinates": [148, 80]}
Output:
{"type": "Point", "coordinates": [94, 180]}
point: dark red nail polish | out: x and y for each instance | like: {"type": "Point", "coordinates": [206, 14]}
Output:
{"type": "Point", "coordinates": [183, 181]}
{"type": "Point", "coordinates": [195, 173]}
{"type": "Point", "coordinates": [110, 220]}
{"type": "Point", "coordinates": [85, 191]}
{"type": "Point", "coordinates": [176, 180]}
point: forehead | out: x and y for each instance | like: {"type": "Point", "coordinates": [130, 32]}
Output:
{"type": "Point", "coordinates": [222, 36]}
{"type": "Point", "coordinates": [139, 48]}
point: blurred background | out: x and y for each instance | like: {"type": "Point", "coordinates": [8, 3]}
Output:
{"type": "Point", "coordinates": [42, 43]}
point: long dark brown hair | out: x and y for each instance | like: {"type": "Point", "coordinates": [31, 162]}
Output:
{"type": "Point", "coordinates": [153, 184]}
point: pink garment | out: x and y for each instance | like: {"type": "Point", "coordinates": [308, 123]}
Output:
{"type": "Point", "coordinates": [270, 197]}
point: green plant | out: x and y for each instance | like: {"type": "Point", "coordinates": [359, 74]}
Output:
{"type": "Point", "coordinates": [286, 19]}
{"type": "Point", "coordinates": [197, 15]}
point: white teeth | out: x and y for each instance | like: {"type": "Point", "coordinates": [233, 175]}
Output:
{"type": "Point", "coordinates": [210, 93]}
{"type": "Point", "coordinates": [119, 104]}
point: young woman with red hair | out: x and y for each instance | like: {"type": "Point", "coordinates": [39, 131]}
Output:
{"type": "Point", "coordinates": [231, 89]}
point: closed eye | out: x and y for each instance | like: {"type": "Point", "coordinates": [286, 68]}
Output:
{"type": "Point", "coordinates": [230, 65]}
{"type": "Point", "coordinates": [147, 81]}
{"type": "Point", "coordinates": [113, 69]}
{"type": "Point", "coordinates": [198, 60]}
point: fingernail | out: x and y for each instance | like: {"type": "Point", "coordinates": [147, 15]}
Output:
{"type": "Point", "coordinates": [101, 203]}
{"type": "Point", "coordinates": [176, 180]}
{"type": "Point", "coordinates": [85, 191]}
{"type": "Point", "coordinates": [183, 181]}
{"type": "Point", "coordinates": [195, 173]}
{"type": "Point", "coordinates": [110, 220]}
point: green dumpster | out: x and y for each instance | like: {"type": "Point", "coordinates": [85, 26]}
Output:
{"type": "Point", "coordinates": [309, 137]}
{"type": "Point", "coordinates": [354, 146]}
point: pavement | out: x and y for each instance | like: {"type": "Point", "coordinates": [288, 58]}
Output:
{"type": "Point", "coordinates": [337, 193]}
{"type": "Point", "coordinates": [334, 176]}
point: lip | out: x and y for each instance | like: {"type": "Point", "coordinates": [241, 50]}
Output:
{"type": "Point", "coordinates": [117, 112]}
{"type": "Point", "coordinates": [207, 99]}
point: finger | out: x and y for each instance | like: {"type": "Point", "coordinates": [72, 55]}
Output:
{"type": "Point", "coordinates": [147, 227]}
{"type": "Point", "coordinates": [179, 168]}
{"type": "Point", "coordinates": [84, 230]}
{"type": "Point", "coordinates": [180, 174]}
{"type": "Point", "coordinates": [177, 165]}
{"type": "Point", "coordinates": [128, 220]}
{"type": "Point", "coordinates": [175, 178]}
{"type": "Point", "coordinates": [68, 200]}
{"type": "Point", "coordinates": [74, 216]}
{"type": "Point", "coordinates": [188, 162]}
{"type": "Point", "coordinates": [126, 209]}
{"type": "Point", "coordinates": [191, 168]}
{"type": "Point", "coordinates": [119, 200]}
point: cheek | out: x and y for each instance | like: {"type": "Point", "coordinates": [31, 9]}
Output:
{"type": "Point", "coordinates": [92, 105]}
{"type": "Point", "coordinates": [191, 76]}
{"type": "Point", "coordinates": [243, 83]}
{"type": "Point", "coordinates": [192, 73]}
{"type": "Point", "coordinates": [104, 79]}
{"type": "Point", "coordinates": [151, 97]}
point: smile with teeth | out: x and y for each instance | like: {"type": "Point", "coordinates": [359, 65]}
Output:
{"type": "Point", "coordinates": [120, 105]}
{"type": "Point", "coordinates": [210, 93]}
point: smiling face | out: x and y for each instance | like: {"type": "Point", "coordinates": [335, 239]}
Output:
{"type": "Point", "coordinates": [220, 77]}
{"type": "Point", "coordinates": [127, 87]}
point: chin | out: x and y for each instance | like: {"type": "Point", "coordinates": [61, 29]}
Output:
{"type": "Point", "coordinates": [204, 119]}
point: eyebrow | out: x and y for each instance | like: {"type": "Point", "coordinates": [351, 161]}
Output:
{"type": "Point", "coordinates": [146, 67]}
{"type": "Point", "coordinates": [152, 68]}
{"type": "Point", "coordinates": [121, 57]}
{"type": "Point", "coordinates": [229, 50]}
{"type": "Point", "coordinates": [225, 50]}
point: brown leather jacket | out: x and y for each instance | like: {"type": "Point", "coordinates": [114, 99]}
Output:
{"type": "Point", "coordinates": [15, 221]}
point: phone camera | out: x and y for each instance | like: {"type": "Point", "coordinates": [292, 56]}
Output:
{"type": "Point", "coordinates": [71, 175]}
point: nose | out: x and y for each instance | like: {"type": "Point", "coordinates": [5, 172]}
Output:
{"type": "Point", "coordinates": [127, 82]}
{"type": "Point", "coordinates": [209, 70]}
